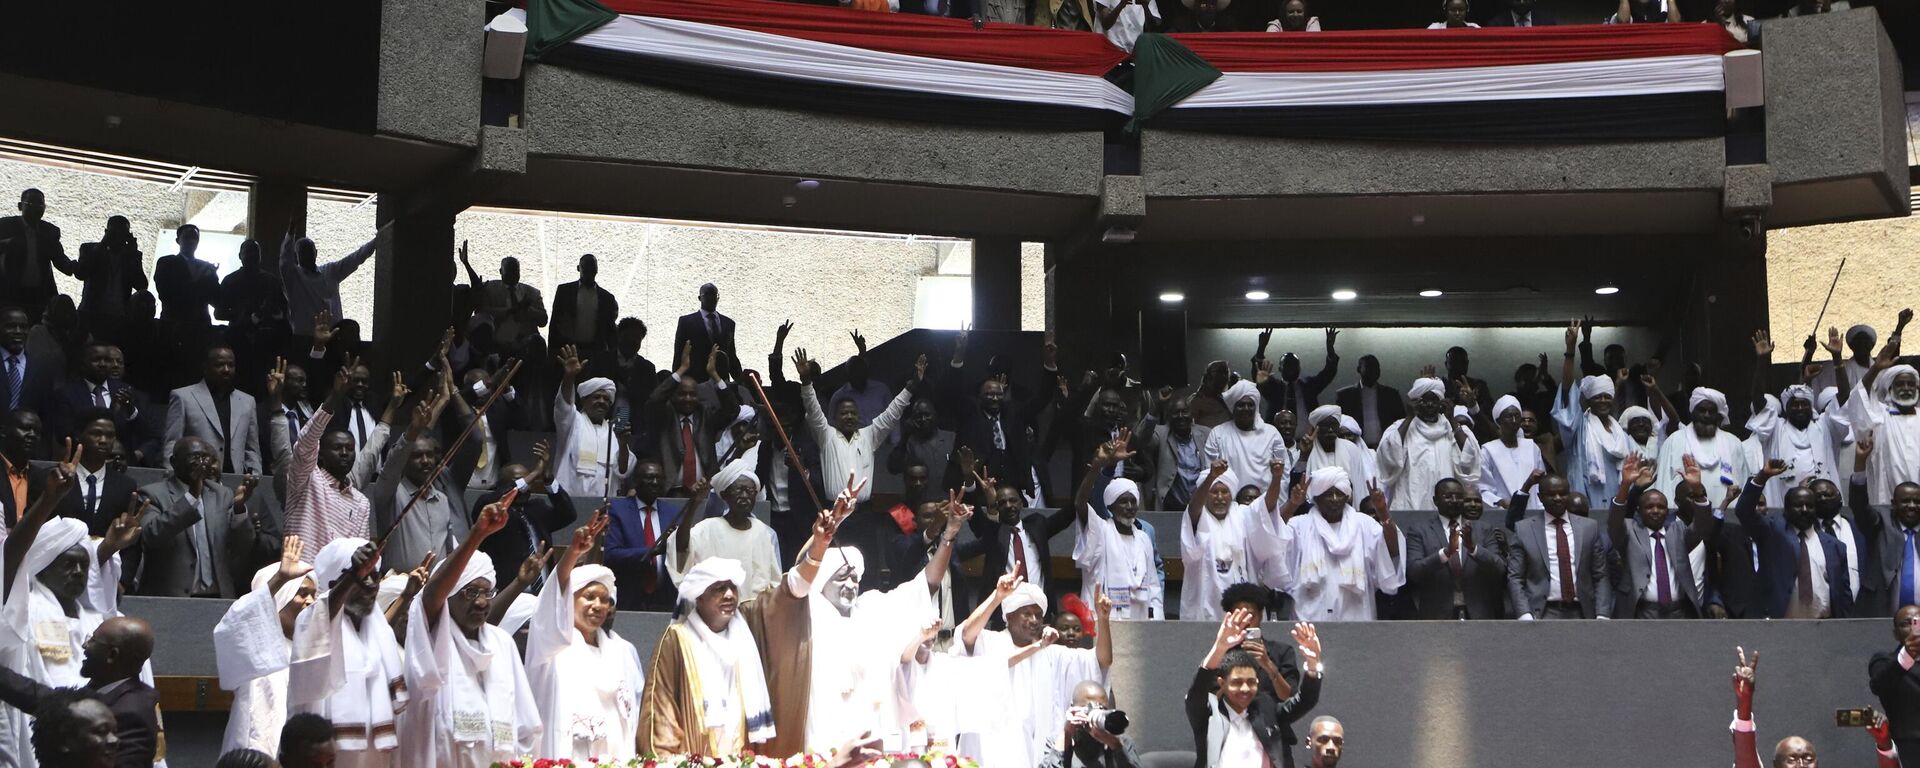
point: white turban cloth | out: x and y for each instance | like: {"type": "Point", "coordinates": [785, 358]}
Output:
{"type": "Point", "coordinates": [1637, 412]}
{"type": "Point", "coordinates": [593, 386]}
{"type": "Point", "coordinates": [833, 561]}
{"type": "Point", "coordinates": [1595, 386]}
{"type": "Point", "coordinates": [1349, 424]}
{"type": "Point", "coordinates": [1323, 413]}
{"type": "Point", "coordinates": [1801, 391]}
{"type": "Point", "coordinates": [1460, 411]}
{"type": "Point", "coordinates": [1227, 479]}
{"type": "Point", "coordinates": [1120, 487]}
{"type": "Point", "coordinates": [1829, 397]}
{"type": "Point", "coordinates": [1327, 478]}
{"type": "Point", "coordinates": [1708, 395]}
{"type": "Point", "coordinates": [1024, 595]}
{"type": "Point", "coordinates": [480, 566]}
{"type": "Point", "coordinates": [1505, 403]}
{"type": "Point", "coordinates": [334, 560]}
{"type": "Point", "coordinates": [735, 471]}
{"type": "Point", "coordinates": [1883, 384]}
{"type": "Point", "coordinates": [284, 596]}
{"type": "Point", "coordinates": [1241, 390]}
{"type": "Point", "coordinates": [391, 588]}
{"type": "Point", "coordinates": [1426, 386]}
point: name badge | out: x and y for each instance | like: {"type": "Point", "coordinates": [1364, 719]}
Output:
{"type": "Point", "coordinates": [54, 641]}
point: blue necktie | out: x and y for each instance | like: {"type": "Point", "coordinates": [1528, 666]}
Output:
{"type": "Point", "coordinates": [13, 383]}
{"type": "Point", "coordinates": [1906, 572]}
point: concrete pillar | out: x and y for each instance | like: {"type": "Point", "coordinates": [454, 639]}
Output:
{"type": "Point", "coordinates": [413, 281]}
{"type": "Point", "coordinates": [1731, 292]}
{"type": "Point", "coordinates": [996, 285]}
{"type": "Point", "coordinates": [273, 207]}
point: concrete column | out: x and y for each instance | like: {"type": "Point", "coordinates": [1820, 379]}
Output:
{"type": "Point", "coordinates": [1732, 294]}
{"type": "Point", "coordinates": [413, 281]}
{"type": "Point", "coordinates": [996, 285]}
{"type": "Point", "coordinates": [273, 207]}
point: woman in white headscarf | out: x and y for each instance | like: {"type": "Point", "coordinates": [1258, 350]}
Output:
{"type": "Point", "coordinates": [473, 705]}
{"type": "Point", "coordinates": [735, 535]}
{"type": "Point", "coordinates": [1224, 543]}
{"type": "Point", "coordinates": [1888, 417]}
{"type": "Point", "coordinates": [1341, 557]}
{"type": "Point", "coordinates": [1248, 444]}
{"type": "Point", "coordinates": [1722, 458]}
{"type": "Point", "coordinates": [252, 646]}
{"type": "Point", "coordinates": [586, 680]}
{"type": "Point", "coordinates": [1115, 552]}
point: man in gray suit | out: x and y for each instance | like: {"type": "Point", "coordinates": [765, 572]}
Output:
{"type": "Point", "coordinates": [438, 522]}
{"type": "Point", "coordinates": [1552, 550]}
{"type": "Point", "coordinates": [1178, 448]}
{"type": "Point", "coordinates": [197, 534]}
{"type": "Point", "coordinates": [214, 411]}
{"type": "Point", "coordinates": [1655, 538]}
{"type": "Point", "coordinates": [1454, 567]}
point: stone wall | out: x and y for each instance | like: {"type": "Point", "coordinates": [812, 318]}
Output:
{"type": "Point", "coordinates": [1881, 255]}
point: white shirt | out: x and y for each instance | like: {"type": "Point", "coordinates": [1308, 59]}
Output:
{"type": "Point", "coordinates": [1241, 748]}
{"type": "Point", "coordinates": [754, 548]}
{"type": "Point", "coordinates": [1553, 559]}
{"type": "Point", "coordinates": [1370, 425]}
{"type": "Point", "coordinates": [1443, 25]}
{"type": "Point", "coordinates": [1036, 570]}
{"type": "Point", "coordinates": [98, 480]}
{"type": "Point", "coordinates": [1652, 593]}
{"type": "Point", "coordinates": [1130, 23]}
{"type": "Point", "coordinates": [1843, 530]}
{"type": "Point", "coordinates": [842, 455]}
{"type": "Point", "coordinates": [1817, 563]}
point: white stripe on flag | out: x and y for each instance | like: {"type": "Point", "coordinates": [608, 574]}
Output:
{"type": "Point", "coordinates": [762, 53]}
{"type": "Point", "coordinates": [1615, 77]}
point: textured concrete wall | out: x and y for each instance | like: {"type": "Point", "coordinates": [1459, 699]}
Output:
{"type": "Point", "coordinates": [579, 114]}
{"type": "Point", "coordinates": [1834, 106]}
{"type": "Point", "coordinates": [430, 70]}
{"type": "Point", "coordinates": [1876, 285]}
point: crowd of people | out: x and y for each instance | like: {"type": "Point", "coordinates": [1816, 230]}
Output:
{"type": "Point", "coordinates": [811, 614]}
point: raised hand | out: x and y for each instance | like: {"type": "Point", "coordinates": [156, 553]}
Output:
{"type": "Point", "coordinates": [967, 463]}
{"type": "Point", "coordinates": [570, 365]}
{"type": "Point", "coordinates": [1308, 638]}
{"type": "Point", "coordinates": [686, 360]}
{"type": "Point", "coordinates": [1586, 329]}
{"type": "Point", "coordinates": [125, 529]}
{"type": "Point", "coordinates": [1307, 440]}
{"type": "Point", "coordinates": [248, 482]}
{"type": "Point", "coordinates": [1833, 344]}
{"type": "Point", "coordinates": [1533, 479]}
{"type": "Point", "coordinates": [531, 567]}
{"type": "Point", "coordinates": [399, 390]}
{"type": "Point", "coordinates": [493, 517]}
{"type": "Point", "coordinates": [1278, 469]}
{"type": "Point", "coordinates": [1297, 496]}
{"type": "Point", "coordinates": [1466, 394]}
{"type": "Point", "coordinates": [586, 535]}
{"type": "Point", "coordinates": [291, 566]}
{"type": "Point", "coordinates": [1863, 448]}
{"type": "Point", "coordinates": [1004, 588]}
{"type": "Point", "coordinates": [859, 341]}
{"type": "Point", "coordinates": [1744, 673]}
{"type": "Point", "coordinates": [1774, 468]}
{"type": "Point", "coordinates": [322, 328]}
{"type": "Point", "coordinates": [61, 476]}
{"type": "Point", "coordinates": [957, 514]}
{"type": "Point", "coordinates": [1262, 372]}
{"type": "Point", "coordinates": [1428, 372]}
{"type": "Point", "coordinates": [1689, 469]}
{"type": "Point", "coordinates": [1630, 469]}
{"type": "Point", "coordinates": [1763, 344]}
{"type": "Point", "coordinates": [1331, 335]}
{"type": "Point", "coordinates": [715, 360]}
{"type": "Point", "coordinates": [276, 378]}
{"type": "Point", "coordinates": [417, 577]}
{"type": "Point", "coordinates": [802, 371]}
{"type": "Point", "coordinates": [920, 368]}
{"type": "Point", "coordinates": [542, 461]}
{"type": "Point", "coordinates": [780, 335]}
{"type": "Point", "coordinates": [1573, 338]}
{"type": "Point", "coordinates": [1233, 628]}
{"type": "Point", "coordinates": [1378, 499]}
{"type": "Point", "coordinates": [1214, 471]}
{"type": "Point", "coordinates": [1102, 604]}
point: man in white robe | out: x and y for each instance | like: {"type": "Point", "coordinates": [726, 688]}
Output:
{"type": "Point", "coordinates": [1644, 432]}
{"type": "Point", "coordinates": [1342, 557]}
{"type": "Point", "coordinates": [346, 663]}
{"type": "Point", "coordinates": [1790, 429]}
{"type": "Point", "coordinates": [1721, 457]}
{"type": "Point", "coordinates": [1041, 675]}
{"type": "Point", "coordinates": [735, 535]}
{"type": "Point", "coordinates": [1508, 459]}
{"type": "Point", "coordinates": [1247, 444]}
{"type": "Point", "coordinates": [1887, 417]}
{"type": "Point", "coordinates": [252, 646]}
{"type": "Point", "coordinates": [1595, 443]}
{"type": "Point", "coordinates": [473, 706]}
{"type": "Point", "coordinates": [591, 459]}
{"type": "Point", "coordinates": [1330, 449]}
{"type": "Point", "coordinates": [1113, 551]}
{"type": "Point", "coordinates": [1417, 451]}
{"type": "Point", "coordinates": [1224, 543]}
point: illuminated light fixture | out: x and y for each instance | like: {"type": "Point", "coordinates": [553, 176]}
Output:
{"type": "Point", "coordinates": [1172, 297]}
{"type": "Point", "coordinates": [1430, 293]}
{"type": "Point", "coordinates": [1256, 295]}
{"type": "Point", "coordinates": [1345, 294]}
{"type": "Point", "coordinates": [1607, 290]}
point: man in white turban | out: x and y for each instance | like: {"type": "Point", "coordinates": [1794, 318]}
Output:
{"type": "Point", "coordinates": [735, 535]}
{"type": "Point", "coordinates": [590, 459]}
{"type": "Point", "coordinates": [1041, 675]}
{"type": "Point", "coordinates": [1508, 459]}
{"type": "Point", "coordinates": [1595, 443]}
{"type": "Point", "coordinates": [1113, 551]}
{"type": "Point", "coordinates": [473, 705]}
{"type": "Point", "coordinates": [1417, 451]}
{"type": "Point", "coordinates": [346, 663]}
{"type": "Point", "coordinates": [1248, 444]}
{"type": "Point", "coordinates": [1342, 557]}
{"type": "Point", "coordinates": [252, 646]}
{"type": "Point", "coordinates": [1791, 428]}
{"type": "Point", "coordinates": [1721, 457]}
{"type": "Point", "coordinates": [1224, 543]}
{"type": "Point", "coordinates": [1330, 446]}
{"type": "Point", "coordinates": [1882, 408]}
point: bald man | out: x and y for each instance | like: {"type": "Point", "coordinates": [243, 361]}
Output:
{"type": "Point", "coordinates": [1087, 742]}
{"type": "Point", "coordinates": [1792, 750]}
{"type": "Point", "coordinates": [114, 657]}
{"type": "Point", "coordinates": [1326, 739]}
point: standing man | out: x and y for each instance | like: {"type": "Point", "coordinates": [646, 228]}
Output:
{"type": "Point", "coordinates": [115, 654]}
{"type": "Point", "coordinates": [707, 329]}
{"type": "Point", "coordinates": [214, 411]}
{"type": "Point", "coordinates": [187, 285]}
{"type": "Point", "coordinates": [1342, 558]}
{"type": "Point", "coordinates": [1480, 400]}
{"type": "Point", "coordinates": [1248, 445]}
{"type": "Point", "coordinates": [594, 453]}
{"type": "Point", "coordinates": [1416, 453]}
{"type": "Point", "coordinates": [1179, 453]}
{"type": "Point", "coordinates": [540, 508]}
{"type": "Point", "coordinates": [27, 382]}
{"type": "Point", "coordinates": [197, 535]}
{"type": "Point", "coordinates": [992, 423]}
{"type": "Point", "coordinates": [1236, 724]}
{"type": "Point", "coordinates": [636, 526]}
{"type": "Point", "coordinates": [438, 522]}
{"type": "Point", "coordinates": [847, 449]}
{"type": "Point", "coordinates": [1559, 561]}
{"type": "Point", "coordinates": [1288, 392]}
{"type": "Point", "coordinates": [1803, 567]}
{"type": "Point", "coordinates": [1883, 409]}
{"type": "Point", "coordinates": [1373, 404]}
{"type": "Point", "coordinates": [1454, 566]}
{"type": "Point", "coordinates": [1656, 550]}
{"type": "Point", "coordinates": [871, 396]}
{"type": "Point", "coordinates": [29, 252]}
{"type": "Point", "coordinates": [1509, 459]}
{"type": "Point", "coordinates": [311, 287]}
{"type": "Point", "coordinates": [111, 270]}
{"type": "Point", "coordinates": [97, 389]}
{"type": "Point", "coordinates": [1595, 441]}
{"type": "Point", "coordinates": [584, 312]}
{"type": "Point", "coordinates": [514, 308]}
{"type": "Point", "coordinates": [101, 488]}
{"type": "Point", "coordinates": [1721, 457]}
{"type": "Point", "coordinates": [1790, 430]}
{"type": "Point", "coordinates": [1891, 677]}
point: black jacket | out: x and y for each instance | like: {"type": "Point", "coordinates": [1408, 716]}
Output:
{"type": "Point", "coordinates": [531, 521]}
{"type": "Point", "coordinates": [1039, 526]}
{"type": "Point", "coordinates": [1272, 719]}
{"type": "Point", "coordinates": [135, 705]}
{"type": "Point", "coordinates": [1899, 692]}
{"type": "Point", "coordinates": [973, 429]}
{"type": "Point", "coordinates": [606, 311]}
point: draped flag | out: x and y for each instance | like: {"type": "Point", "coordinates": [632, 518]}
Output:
{"type": "Point", "coordinates": [1569, 83]}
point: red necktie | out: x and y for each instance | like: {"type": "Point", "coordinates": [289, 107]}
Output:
{"type": "Point", "coordinates": [1804, 584]}
{"type": "Point", "coordinates": [651, 575]}
{"type": "Point", "coordinates": [689, 463]}
{"type": "Point", "coordinates": [1019, 554]}
{"type": "Point", "coordinates": [1566, 562]}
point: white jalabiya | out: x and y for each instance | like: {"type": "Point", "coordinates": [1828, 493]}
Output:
{"type": "Point", "coordinates": [473, 706]}
{"type": "Point", "coordinates": [588, 695]}
{"type": "Point", "coordinates": [1249, 453]}
{"type": "Point", "coordinates": [856, 657]}
{"type": "Point", "coordinates": [1346, 454]}
{"type": "Point", "coordinates": [252, 654]}
{"type": "Point", "coordinates": [1122, 562]}
{"type": "Point", "coordinates": [1595, 446]}
{"type": "Point", "coordinates": [1337, 567]}
{"type": "Point", "coordinates": [39, 640]}
{"type": "Point", "coordinates": [1246, 544]}
{"type": "Point", "coordinates": [1035, 700]}
{"type": "Point", "coordinates": [1896, 436]}
{"type": "Point", "coordinates": [757, 549]}
{"type": "Point", "coordinates": [1722, 459]}
{"type": "Point", "coordinates": [1808, 452]}
{"type": "Point", "coordinates": [958, 697]}
{"type": "Point", "coordinates": [587, 455]}
{"type": "Point", "coordinates": [1414, 455]}
{"type": "Point", "coordinates": [349, 674]}
{"type": "Point", "coordinates": [1649, 451]}
{"type": "Point", "coordinates": [1505, 469]}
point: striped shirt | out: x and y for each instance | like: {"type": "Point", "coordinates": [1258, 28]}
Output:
{"type": "Point", "coordinates": [320, 508]}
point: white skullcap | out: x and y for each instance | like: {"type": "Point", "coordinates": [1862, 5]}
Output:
{"type": "Point", "coordinates": [1595, 386]}
{"type": "Point", "coordinates": [735, 471]}
{"type": "Point", "coordinates": [1426, 386]}
{"type": "Point", "coordinates": [1241, 390]}
{"type": "Point", "coordinates": [1829, 397]}
{"type": "Point", "coordinates": [1349, 424]}
{"type": "Point", "coordinates": [1863, 330]}
{"type": "Point", "coordinates": [593, 386]}
{"type": "Point", "coordinates": [1227, 479]}
{"type": "Point", "coordinates": [519, 613]}
{"type": "Point", "coordinates": [284, 596]}
{"type": "Point", "coordinates": [1708, 395]}
{"type": "Point", "coordinates": [1323, 413]}
{"type": "Point", "coordinates": [335, 559]}
{"type": "Point", "coordinates": [587, 575]}
{"type": "Point", "coordinates": [1326, 478]}
{"type": "Point", "coordinates": [1460, 411]}
{"type": "Point", "coordinates": [1024, 595]}
{"type": "Point", "coordinates": [1505, 403]}
{"type": "Point", "coordinates": [1120, 487]}
{"type": "Point", "coordinates": [1801, 391]}
{"type": "Point", "coordinates": [1637, 412]}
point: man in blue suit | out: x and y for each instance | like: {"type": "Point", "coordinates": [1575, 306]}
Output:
{"type": "Point", "coordinates": [1801, 580]}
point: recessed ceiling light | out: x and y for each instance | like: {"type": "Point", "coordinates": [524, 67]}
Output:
{"type": "Point", "coordinates": [1429, 293]}
{"type": "Point", "coordinates": [1256, 295]}
{"type": "Point", "coordinates": [1606, 290]}
{"type": "Point", "coordinates": [1173, 297]}
{"type": "Point", "coordinates": [1344, 295]}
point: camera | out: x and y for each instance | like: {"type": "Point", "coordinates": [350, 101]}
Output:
{"type": "Point", "coordinates": [1110, 720]}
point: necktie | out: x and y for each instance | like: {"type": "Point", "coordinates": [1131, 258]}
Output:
{"type": "Point", "coordinates": [689, 462]}
{"type": "Point", "coordinates": [1566, 561]}
{"type": "Point", "coordinates": [1906, 572]}
{"type": "Point", "coordinates": [1805, 584]}
{"type": "Point", "coordinates": [713, 328]}
{"type": "Point", "coordinates": [293, 425]}
{"type": "Point", "coordinates": [1453, 542]}
{"type": "Point", "coordinates": [100, 397]}
{"type": "Point", "coordinates": [1660, 573]}
{"type": "Point", "coordinates": [93, 495]}
{"type": "Point", "coordinates": [1834, 531]}
{"type": "Point", "coordinates": [13, 383]}
{"type": "Point", "coordinates": [999, 435]}
{"type": "Point", "coordinates": [360, 427]}
{"type": "Point", "coordinates": [650, 576]}
{"type": "Point", "coordinates": [1020, 553]}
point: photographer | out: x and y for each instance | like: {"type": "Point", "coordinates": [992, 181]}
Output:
{"type": "Point", "coordinates": [1892, 677]}
{"type": "Point", "coordinates": [1093, 735]}
{"type": "Point", "coordinates": [1235, 724]}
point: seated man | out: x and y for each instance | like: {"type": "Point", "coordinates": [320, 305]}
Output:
{"type": "Point", "coordinates": [1235, 723]}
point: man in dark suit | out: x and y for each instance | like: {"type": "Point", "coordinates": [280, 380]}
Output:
{"type": "Point", "coordinates": [1733, 585]}
{"type": "Point", "coordinates": [98, 390]}
{"type": "Point", "coordinates": [110, 270]}
{"type": "Point", "coordinates": [705, 330]}
{"type": "Point", "coordinates": [114, 656]}
{"type": "Point", "coordinates": [583, 313]}
{"type": "Point", "coordinates": [1521, 13]}
{"type": "Point", "coordinates": [1482, 405]}
{"type": "Point", "coordinates": [910, 553]}
{"type": "Point", "coordinates": [1654, 547]}
{"type": "Point", "coordinates": [687, 412]}
{"type": "Point", "coordinates": [29, 252]}
{"type": "Point", "coordinates": [187, 286]}
{"type": "Point", "coordinates": [1278, 662]}
{"type": "Point", "coordinates": [27, 382]}
{"type": "Point", "coordinates": [20, 444]}
{"type": "Point", "coordinates": [1226, 688]}
{"type": "Point", "coordinates": [790, 505]}
{"type": "Point", "coordinates": [101, 489]}
{"type": "Point", "coordinates": [1373, 404]}
{"type": "Point", "coordinates": [197, 535]}
{"type": "Point", "coordinates": [992, 422]}
{"type": "Point", "coordinates": [1892, 678]}
{"type": "Point", "coordinates": [1287, 391]}
{"type": "Point", "coordinates": [1021, 548]}
{"type": "Point", "coordinates": [1454, 569]}
{"type": "Point", "coordinates": [1887, 540]}
{"type": "Point", "coordinates": [1801, 582]}
{"type": "Point", "coordinates": [636, 527]}
{"type": "Point", "coordinates": [531, 520]}
{"type": "Point", "coordinates": [1548, 549]}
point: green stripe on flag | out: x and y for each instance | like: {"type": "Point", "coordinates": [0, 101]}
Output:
{"type": "Point", "coordinates": [553, 23]}
{"type": "Point", "coordinates": [1165, 72]}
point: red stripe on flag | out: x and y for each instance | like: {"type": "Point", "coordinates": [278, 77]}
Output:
{"type": "Point", "coordinates": [1010, 45]}
{"type": "Point", "coordinates": [1381, 50]}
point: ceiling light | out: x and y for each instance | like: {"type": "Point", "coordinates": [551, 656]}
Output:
{"type": "Point", "coordinates": [1256, 295]}
{"type": "Point", "coordinates": [1172, 297]}
{"type": "Point", "coordinates": [1606, 290]}
{"type": "Point", "coordinates": [1345, 294]}
{"type": "Point", "coordinates": [1430, 293]}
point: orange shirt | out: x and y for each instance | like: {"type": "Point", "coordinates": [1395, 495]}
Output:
{"type": "Point", "coordinates": [18, 481]}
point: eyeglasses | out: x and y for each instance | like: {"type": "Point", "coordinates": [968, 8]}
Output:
{"type": "Point", "coordinates": [474, 594]}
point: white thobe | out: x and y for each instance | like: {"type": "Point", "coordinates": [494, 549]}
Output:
{"type": "Point", "coordinates": [336, 672]}
{"type": "Point", "coordinates": [756, 548]}
{"type": "Point", "coordinates": [589, 695]}
{"type": "Point", "coordinates": [1722, 461]}
{"type": "Point", "coordinates": [468, 712]}
{"type": "Point", "coordinates": [1249, 453]}
{"type": "Point", "coordinates": [1595, 476]}
{"type": "Point", "coordinates": [1411, 465]}
{"type": "Point", "coordinates": [1039, 690]}
{"type": "Point", "coordinates": [1896, 443]}
{"type": "Point", "coordinates": [1504, 470]}
{"type": "Point", "coordinates": [1808, 452]}
{"type": "Point", "coordinates": [855, 659]}
{"type": "Point", "coordinates": [1123, 563]}
{"type": "Point", "coordinates": [1356, 459]}
{"type": "Point", "coordinates": [252, 654]}
{"type": "Point", "coordinates": [1246, 545]}
{"type": "Point", "coordinates": [40, 641]}
{"type": "Point", "coordinates": [1318, 600]}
